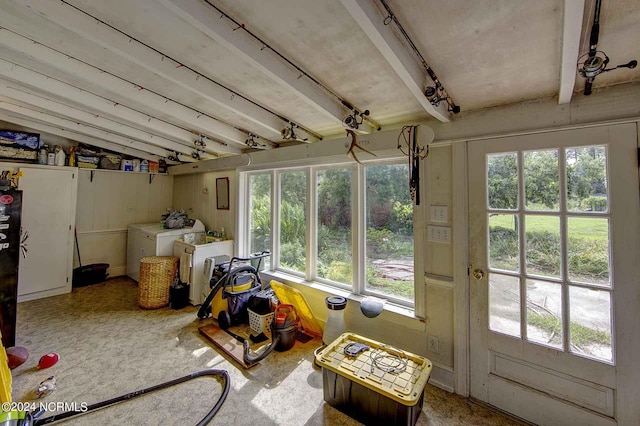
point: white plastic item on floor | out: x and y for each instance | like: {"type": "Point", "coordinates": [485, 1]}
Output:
{"type": "Point", "coordinates": [335, 325]}
{"type": "Point", "coordinates": [198, 285]}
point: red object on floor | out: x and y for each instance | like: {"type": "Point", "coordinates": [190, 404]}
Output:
{"type": "Point", "coordinates": [48, 360]}
{"type": "Point", "coordinates": [16, 356]}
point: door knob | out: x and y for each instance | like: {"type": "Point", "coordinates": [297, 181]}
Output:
{"type": "Point", "coordinates": [478, 274]}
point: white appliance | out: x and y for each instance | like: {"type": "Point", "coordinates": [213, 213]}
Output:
{"type": "Point", "coordinates": [151, 239]}
{"type": "Point", "coordinates": [192, 265]}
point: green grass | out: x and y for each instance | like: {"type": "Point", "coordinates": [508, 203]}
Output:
{"type": "Point", "coordinates": [580, 335]}
{"type": "Point", "coordinates": [585, 228]}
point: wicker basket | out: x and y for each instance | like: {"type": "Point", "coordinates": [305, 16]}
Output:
{"type": "Point", "coordinates": [156, 275]}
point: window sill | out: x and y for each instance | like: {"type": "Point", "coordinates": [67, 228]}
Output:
{"type": "Point", "coordinates": [392, 312]}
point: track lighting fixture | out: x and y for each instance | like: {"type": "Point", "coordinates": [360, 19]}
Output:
{"type": "Point", "coordinates": [355, 119]}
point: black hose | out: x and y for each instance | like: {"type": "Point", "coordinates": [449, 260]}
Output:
{"type": "Point", "coordinates": [205, 420]}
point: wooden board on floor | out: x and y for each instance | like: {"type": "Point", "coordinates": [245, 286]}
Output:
{"type": "Point", "coordinates": [226, 342]}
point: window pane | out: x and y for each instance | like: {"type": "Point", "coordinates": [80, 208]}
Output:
{"type": "Point", "coordinates": [542, 234]}
{"type": "Point", "coordinates": [541, 181]}
{"type": "Point", "coordinates": [260, 214]}
{"type": "Point", "coordinates": [588, 249]}
{"type": "Point", "coordinates": [544, 313]}
{"type": "Point", "coordinates": [504, 304]}
{"type": "Point", "coordinates": [590, 315]}
{"type": "Point", "coordinates": [293, 199]}
{"type": "Point", "coordinates": [502, 181]}
{"type": "Point", "coordinates": [587, 179]}
{"type": "Point", "coordinates": [503, 242]}
{"type": "Point", "coordinates": [334, 225]}
{"type": "Point", "coordinates": [389, 236]}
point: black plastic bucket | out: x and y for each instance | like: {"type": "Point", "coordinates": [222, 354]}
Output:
{"type": "Point", "coordinates": [287, 337]}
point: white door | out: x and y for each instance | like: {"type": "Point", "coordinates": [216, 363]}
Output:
{"type": "Point", "coordinates": [554, 294]}
{"type": "Point", "coordinates": [48, 216]}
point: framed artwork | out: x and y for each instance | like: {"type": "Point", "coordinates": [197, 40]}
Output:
{"type": "Point", "coordinates": [222, 193]}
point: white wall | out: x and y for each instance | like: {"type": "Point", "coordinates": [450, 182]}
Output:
{"type": "Point", "coordinates": [196, 195]}
{"type": "Point", "coordinates": [109, 203]}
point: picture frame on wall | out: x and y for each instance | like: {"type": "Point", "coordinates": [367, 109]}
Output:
{"type": "Point", "coordinates": [222, 193]}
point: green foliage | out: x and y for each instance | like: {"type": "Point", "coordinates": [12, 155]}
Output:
{"type": "Point", "coordinates": [580, 335]}
{"type": "Point", "coordinates": [334, 198]}
{"type": "Point", "coordinates": [340, 271]}
{"type": "Point", "coordinates": [589, 259]}
{"type": "Point", "coordinates": [594, 204]}
{"type": "Point", "coordinates": [402, 218]}
{"type": "Point", "coordinates": [502, 172]}
{"type": "Point", "coordinates": [543, 252]}
{"type": "Point", "coordinates": [292, 256]}
{"type": "Point", "coordinates": [503, 247]}
{"type": "Point", "coordinates": [541, 178]}
{"type": "Point", "coordinates": [586, 173]}
{"type": "Point", "coordinates": [260, 221]}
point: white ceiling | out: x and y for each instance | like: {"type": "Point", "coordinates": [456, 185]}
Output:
{"type": "Point", "coordinates": [148, 77]}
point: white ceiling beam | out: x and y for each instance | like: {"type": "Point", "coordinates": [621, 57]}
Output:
{"type": "Point", "coordinates": [159, 64]}
{"type": "Point", "coordinates": [208, 21]}
{"type": "Point", "coordinates": [395, 52]}
{"type": "Point", "coordinates": [48, 57]}
{"type": "Point", "coordinates": [571, 32]}
{"type": "Point", "coordinates": [65, 133]}
{"type": "Point", "coordinates": [11, 94]}
{"type": "Point", "coordinates": [81, 128]}
{"type": "Point", "coordinates": [62, 90]}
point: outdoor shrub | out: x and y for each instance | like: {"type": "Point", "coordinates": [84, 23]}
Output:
{"type": "Point", "coordinates": [594, 204]}
{"type": "Point", "coordinates": [543, 252]}
{"type": "Point", "coordinates": [340, 272]}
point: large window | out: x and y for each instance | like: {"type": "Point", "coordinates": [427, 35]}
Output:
{"type": "Point", "coordinates": [350, 227]}
{"type": "Point", "coordinates": [293, 228]}
{"type": "Point", "coordinates": [389, 234]}
{"type": "Point", "coordinates": [260, 214]}
{"type": "Point", "coordinates": [335, 261]}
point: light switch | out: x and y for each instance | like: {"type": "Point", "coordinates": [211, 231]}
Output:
{"type": "Point", "coordinates": [439, 214]}
{"type": "Point", "coordinates": [439, 234]}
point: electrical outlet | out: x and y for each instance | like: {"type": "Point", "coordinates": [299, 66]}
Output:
{"type": "Point", "coordinates": [434, 344]}
{"type": "Point", "coordinates": [439, 234]}
{"type": "Point", "coordinates": [439, 214]}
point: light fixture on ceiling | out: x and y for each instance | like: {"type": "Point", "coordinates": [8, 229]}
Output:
{"type": "Point", "coordinates": [596, 60]}
{"type": "Point", "coordinates": [355, 119]}
{"type": "Point", "coordinates": [289, 133]}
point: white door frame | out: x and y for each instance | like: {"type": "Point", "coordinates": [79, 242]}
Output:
{"type": "Point", "coordinates": [625, 306]}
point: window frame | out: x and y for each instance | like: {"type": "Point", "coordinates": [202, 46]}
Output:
{"type": "Point", "coordinates": [358, 225]}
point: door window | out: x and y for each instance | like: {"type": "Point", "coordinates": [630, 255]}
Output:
{"type": "Point", "coordinates": [548, 216]}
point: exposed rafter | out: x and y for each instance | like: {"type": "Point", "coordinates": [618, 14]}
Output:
{"type": "Point", "coordinates": [129, 93]}
{"type": "Point", "coordinates": [397, 55]}
{"type": "Point", "coordinates": [11, 95]}
{"type": "Point", "coordinates": [12, 109]}
{"type": "Point", "coordinates": [571, 32]}
{"type": "Point", "coordinates": [162, 65]}
{"type": "Point", "coordinates": [65, 133]}
{"type": "Point", "coordinates": [62, 90]}
{"type": "Point", "coordinates": [208, 20]}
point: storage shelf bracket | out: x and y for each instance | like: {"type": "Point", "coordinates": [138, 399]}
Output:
{"type": "Point", "coordinates": [151, 177]}
{"type": "Point", "coordinates": [93, 172]}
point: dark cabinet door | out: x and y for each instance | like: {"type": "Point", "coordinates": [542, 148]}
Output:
{"type": "Point", "coordinates": [10, 210]}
